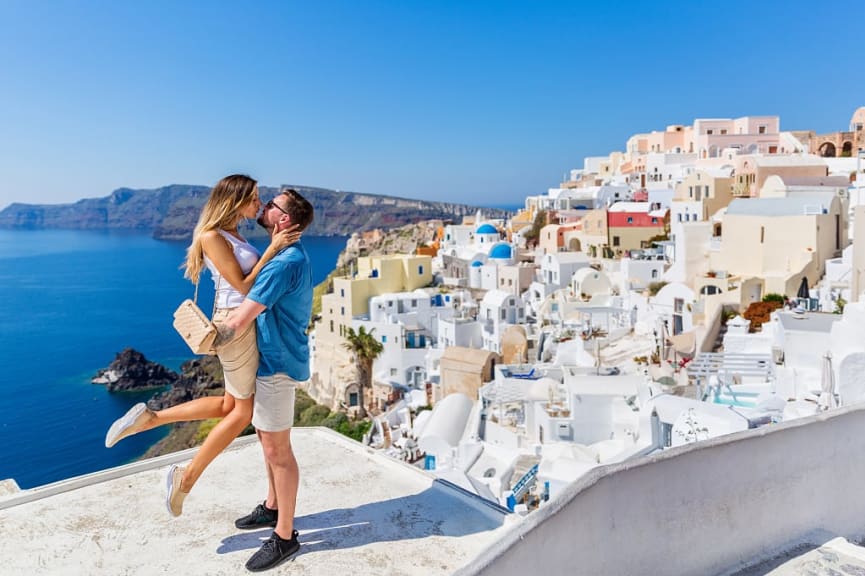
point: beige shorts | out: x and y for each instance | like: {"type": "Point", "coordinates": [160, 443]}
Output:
{"type": "Point", "coordinates": [274, 403]}
{"type": "Point", "coordinates": [239, 359]}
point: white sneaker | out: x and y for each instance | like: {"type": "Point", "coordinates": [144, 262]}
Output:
{"type": "Point", "coordinates": [130, 423]}
{"type": "Point", "coordinates": [174, 497]}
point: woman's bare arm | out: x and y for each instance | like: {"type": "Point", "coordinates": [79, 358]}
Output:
{"type": "Point", "coordinates": [220, 252]}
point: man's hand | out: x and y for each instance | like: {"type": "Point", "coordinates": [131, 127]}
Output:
{"type": "Point", "coordinates": [224, 334]}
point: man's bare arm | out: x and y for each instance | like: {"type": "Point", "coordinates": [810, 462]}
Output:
{"type": "Point", "coordinates": [237, 321]}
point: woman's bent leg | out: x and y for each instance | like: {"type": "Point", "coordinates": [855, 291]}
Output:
{"type": "Point", "coordinates": [198, 409]}
{"type": "Point", "coordinates": [217, 440]}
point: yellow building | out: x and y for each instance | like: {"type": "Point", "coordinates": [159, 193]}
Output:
{"type": "Point", "coordinates": [375, 275]}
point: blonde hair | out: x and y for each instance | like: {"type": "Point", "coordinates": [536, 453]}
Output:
{"type": "Point", "coordinates": [220, 212]}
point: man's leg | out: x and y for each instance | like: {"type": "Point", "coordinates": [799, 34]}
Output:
{"type": "Point", "coordinates": [272, 501]}
{"type": "Point", "coordinates": [284, 475]}
{"type": "Point", "coordinates": [273, 418]}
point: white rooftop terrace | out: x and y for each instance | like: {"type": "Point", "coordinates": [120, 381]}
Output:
{"type": "Point", "coordinates": [358, 513]}
{"type": "Point", "coordinates": [775, 499]}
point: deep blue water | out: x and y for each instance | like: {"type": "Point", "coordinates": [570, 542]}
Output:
{"type": "Point", "coordinates": [69, 302]}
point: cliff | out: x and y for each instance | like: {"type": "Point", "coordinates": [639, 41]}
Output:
{"type": "Point", "coordinates": [171, 212]}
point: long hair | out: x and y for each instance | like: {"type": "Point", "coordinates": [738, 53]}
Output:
{"type": "Point", "coordinates": [220, 212]}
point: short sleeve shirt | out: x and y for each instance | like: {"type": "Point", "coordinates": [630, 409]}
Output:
{"type": "Point", "coordinates": [284, 288]}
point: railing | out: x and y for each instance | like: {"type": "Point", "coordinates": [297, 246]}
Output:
{"type": "Point", "coordinates": [522, 487]}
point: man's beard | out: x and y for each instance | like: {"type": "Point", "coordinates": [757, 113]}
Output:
{"type": "Point", "coordinates": [262, 223]}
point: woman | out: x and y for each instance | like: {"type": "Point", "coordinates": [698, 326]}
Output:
{"type": "Point", "coordinates": [233, 264]}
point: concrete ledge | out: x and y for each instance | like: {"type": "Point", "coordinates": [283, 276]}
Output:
{"type": "Point", "coordinates": [358, 513]}
{"type": "Point", "coordinates": [8, 487]}
{"type": "Point", "coordinates": [708, 508]}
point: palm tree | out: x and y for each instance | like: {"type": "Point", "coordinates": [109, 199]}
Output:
{"type": "Point", "coordinates": [366, 348]}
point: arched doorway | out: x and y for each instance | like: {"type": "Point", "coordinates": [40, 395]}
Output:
{"type": "Point", "coordinates": [827, 150]}
{"type": "Point", "coordinates": [574, 245]}
{"type": "Point", "coordinates": [847, 149]}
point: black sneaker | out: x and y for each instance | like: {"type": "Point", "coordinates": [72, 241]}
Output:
{"type": "Point", "coordinates": [273, 552]}
{"type": "Point", "coordinates": [261, 517]}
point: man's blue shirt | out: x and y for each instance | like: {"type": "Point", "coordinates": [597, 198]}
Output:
{"type": "Point", "coordinates": [284, 287]}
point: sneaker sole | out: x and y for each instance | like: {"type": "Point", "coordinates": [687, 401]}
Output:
{"type": "Point", "coordinates": [169, 486]}
{"type": "Point", "coordinates": [123, 423]}
{"type": "Point", "coordinates": [255, 526]}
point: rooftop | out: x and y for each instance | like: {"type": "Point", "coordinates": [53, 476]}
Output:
{"type": "Point", "coordinates": [797, 205]}
{"type": "Point", "coordinates": [353, 507]}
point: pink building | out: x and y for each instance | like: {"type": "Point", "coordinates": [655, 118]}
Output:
{"type": "Point", "coordinates": [749, 134]}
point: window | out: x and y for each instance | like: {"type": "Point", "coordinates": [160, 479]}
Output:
{"type": "Point", "coordinates": [393, 371]}
{"type": "Point", "coordinates": [762, 234]}
{"type": "Point", "coordinates": [420, 270]}
{"type": "Point", "coordinates": [414, 303]}
{"type": "Point", "coordinates": [710, 131]}
{"type": "Point", "coordinates": [680, 217]}
{"type": "Point", "coordinates": [342, 310]}
{"type": "Point", "coordinates": [331, 327]}
{"type": "Point", "coordinates": [342, 292]}
{"type": "Point", "coordinates": [654, 220]}
{"type": "Point", "coordinates": [616, 241]}
{"type": "Point", "coordinates": [352, 398]}
{"type": "Point", "coordinates": [510, 282]}
{"type": "Point", "coordinates": [761, 129]}
{"type": "Point", "coordinates": [723, 131]}
{"type": "Point", "coordinates": [654, 274]}
{"type": "Point", "coordinates": [504, 314]}
{"type": "Point", "coordinates": [690, 191]}
{"type": "Point", "coordinates": [630, 220]}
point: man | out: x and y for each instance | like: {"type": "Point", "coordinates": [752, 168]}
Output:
{"type": "Point", "coordinates": [280, 302]}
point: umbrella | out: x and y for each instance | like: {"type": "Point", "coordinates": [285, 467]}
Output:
{"type": "Point", "coordinates": [827, 384]}
{"type": "Point", "coordinates": [803, 289]}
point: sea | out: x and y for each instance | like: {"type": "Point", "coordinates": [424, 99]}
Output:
{"type": "Point", "coordinates": [70, 300]}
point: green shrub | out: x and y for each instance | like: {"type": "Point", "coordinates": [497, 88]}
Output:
{"type": "Point", "coordinates": [773, 297]}
{"type": "Point", "coordinates": [313, 416]}
{"type": "Point", "coordinates": [655, 287]}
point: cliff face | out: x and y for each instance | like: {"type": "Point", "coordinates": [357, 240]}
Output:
{"type": "Point", "coordinates": [171, 212]}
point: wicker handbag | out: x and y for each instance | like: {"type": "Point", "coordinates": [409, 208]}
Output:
{"type": "Point", "coordinates": [194, 326]}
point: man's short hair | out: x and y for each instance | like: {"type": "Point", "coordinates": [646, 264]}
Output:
{"type": "Point", "coordinates": [298, 207]}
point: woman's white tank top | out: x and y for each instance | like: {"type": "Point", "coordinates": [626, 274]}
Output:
{"type": "Point", "coordinates": [226, 295]}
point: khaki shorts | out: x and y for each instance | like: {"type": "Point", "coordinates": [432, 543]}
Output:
{"type": "Point", "coordinates": [274, 403]}
{"type": "Point", "coordinates": [239, 359]}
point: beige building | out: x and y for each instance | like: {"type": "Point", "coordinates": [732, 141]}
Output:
{"type": "Point", "coordinates": [712, 188]}
{"type": "Point", "coordinates": [781, 239]}
{"type": "Point", "coordinates": [593, 236]}
{"type": "Point", "coordinates": [516, 278]}
{"type": "Point", "coordinates": [552, 237]}
{"type": "Point", "coordinates": [752, 171]}
{"type": "Point", "coordinates": [465, 370]}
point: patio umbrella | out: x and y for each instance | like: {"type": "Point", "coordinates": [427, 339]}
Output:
{"type": "Point", "coordinates": [803, 289]}
{"type": "Point", "coordinates": [827, 384]}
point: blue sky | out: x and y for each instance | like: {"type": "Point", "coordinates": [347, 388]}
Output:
{"type": "Point", "coordinates": [482, 102]}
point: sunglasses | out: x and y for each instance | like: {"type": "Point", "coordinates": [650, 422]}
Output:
{"type": "Point", "coordinates": [270, 204]}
